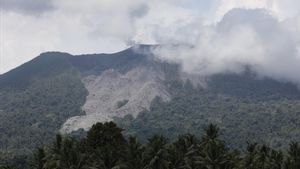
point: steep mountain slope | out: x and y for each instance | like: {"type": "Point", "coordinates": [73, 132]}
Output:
{"type": "Point", "coordinates": [35, 100]}
{"type": "Point", "coordinates": [259, 110]}
{"type": "Point", "coordinates": [112, 94]}
{"type": "Point", "coordinates": [38, 97]}
{"type": "Point", "coordinates": [60, 92]}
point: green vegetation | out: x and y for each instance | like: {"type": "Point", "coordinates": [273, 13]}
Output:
{"type": "Point", "coordinates": [105, 147]}
{"type": "Point", "coordinates": [31, 116]}
{"type": "Point", "coordinates": [266, 111]}
{"type": "Point", "coordinates": [37, 98]}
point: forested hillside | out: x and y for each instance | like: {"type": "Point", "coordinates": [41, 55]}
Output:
{"type": "Point", "coordinates": [38, 97]}
{"type": "Point", "coordinates": [104, 146]}
{"type": "Point", "coordinates": [246, 109]}
{"type": "Point", "coordinates": [33, 110]}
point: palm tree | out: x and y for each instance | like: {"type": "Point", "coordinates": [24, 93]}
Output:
{"type": "Point", "coordinates": [105, 134]}
{"type": "Point", "coordinates": [293, 160]}
{"type": "Point", "coordinates": [212, 153]}
{"type": "Point", "coordinates": [184, 142]}
{"type": "Point", "coordinates": [211, 133]}
{"type": "Point", "coordinates": [276, 159]}
{"type": "Point", "coordinates": [106, 157]}
{"type": "Point", "coordinates": [263, 157]}
{"type": "Point", "coordinates": [53, 159]}
{"type": "Point", "coordinates": [65, 155]}
{"type": "Point", "coordinates": [106, 146]}
{"type": "Point", "coordinates": [8, 167]}
{"type": "Point", "coordinates": [189, 161]}
{"type": "Point", "coordinates": [180, 152]}
{"type": "Point", "coordinates": [134, 154]}
{"type": "Point", "coordinates": [155, 155]}
{"type": "Point", "coordinates": [38, 159]}
{"type": "Point", "coordinates": [250, 158]}
{"type": "Point", "coordinates": [175, 156]}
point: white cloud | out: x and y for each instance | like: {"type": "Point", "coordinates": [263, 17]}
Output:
{"type": "Point", "coordinates": [96, 26]}
{"type": "Point", "coordinates": [31, 7]}
{"type": "Point", "coordinates": [242, 38]}
{"type": "Point", "coordinates": [90, 26]}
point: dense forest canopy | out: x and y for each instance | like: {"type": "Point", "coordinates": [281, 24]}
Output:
{"type": "Point", "coordinates": [105, 147]}
{"type": "Point", "coordinates": [263, 111]}
{"type": "Point", "coordinates": [39, 96]}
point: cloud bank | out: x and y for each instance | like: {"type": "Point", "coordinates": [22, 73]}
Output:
{"type": "Point", "coordinates": [27, 6]}
{"type": "Point", "coordinates": [210, 36]}
{"type": "Point", "coordinates": [244, 37]}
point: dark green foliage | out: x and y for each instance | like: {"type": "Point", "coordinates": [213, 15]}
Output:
{"type": "Point", "coordinates": [37, 98]}
{"type": "Point", "coordinates": [134, 153]}
{"type": "Point", "coordinates": [106, 144]}
{"type": "Point", "coordinates": [8, 167]}
{"type": "Point", "coordinates": [39, 158]}
{"type": "Point", "coordinates": [293, 160]}
{"type": "Point", "coordinates": [107, 134]}
{"type": "Point", "coordinates": [250, 86]}
{"type": "Point", "coordinates": [187, 152]}
{"type": "Point", "coordinates": [121, 61]}
{"type": "Point", "coordinates": [64, 154]}
{"type": "Point", "coordinates": [46, 65]}
{"type": "Point", "coordinates": [40, 95]}
{"type": "Point", "coordinates": [30, 117]}
{"type": "Point", "coordinates": [254, 118]}
{"type": "Point", "coordinates": [155, 154]}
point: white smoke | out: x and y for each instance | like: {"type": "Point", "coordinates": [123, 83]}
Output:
{"type": "Point", "coordinates": [208, 43]}
{"type": "Point", "coordinates": [244, 37]}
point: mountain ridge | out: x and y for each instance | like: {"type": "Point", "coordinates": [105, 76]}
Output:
{"type": "Point", "coordinates": [40, 96]}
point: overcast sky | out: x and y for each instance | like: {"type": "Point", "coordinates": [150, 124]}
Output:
{"type": "Point", "coordinates": [30, 27]}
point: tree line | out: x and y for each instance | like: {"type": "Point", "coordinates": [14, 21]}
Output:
{"type": "Point", "coordinates": [105, 147]}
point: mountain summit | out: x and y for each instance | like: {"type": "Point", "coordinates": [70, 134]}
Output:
{"type": "Point", "coordinates": [144, 95]}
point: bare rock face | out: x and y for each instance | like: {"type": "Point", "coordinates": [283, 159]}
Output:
{"type": "Point", "coordinates": [115, 95]}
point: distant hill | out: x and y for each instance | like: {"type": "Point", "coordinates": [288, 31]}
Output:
{"type": "Point", "coordinates": [61, 92]}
